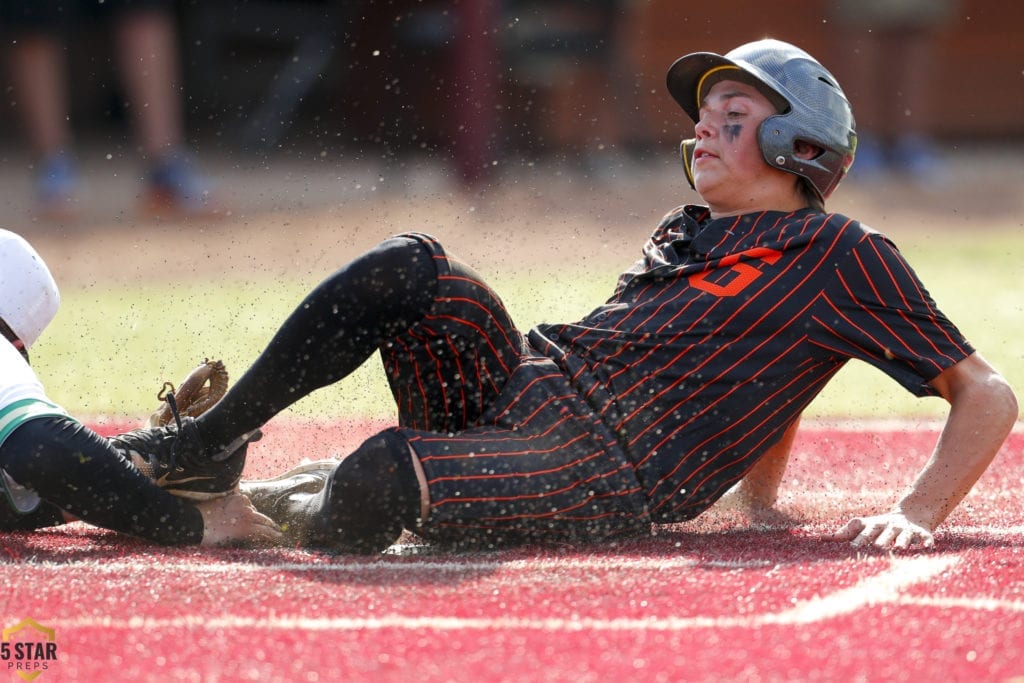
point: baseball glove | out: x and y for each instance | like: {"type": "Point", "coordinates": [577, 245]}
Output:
{"type": "Point", "coordinates": [200, 390]}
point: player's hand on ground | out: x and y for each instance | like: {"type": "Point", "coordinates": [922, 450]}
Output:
{"type": "Point", "coordinates": [232, 520]}
{"type": "Point", "coordinates": [888, 531]}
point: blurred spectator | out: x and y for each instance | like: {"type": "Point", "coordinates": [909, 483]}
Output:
{"type": "Point", "coordinates": [146, 54]}
{"type": "Point", "coordinates": [577, 51]}
{"type": "Point", "coordinates": [887, 52]}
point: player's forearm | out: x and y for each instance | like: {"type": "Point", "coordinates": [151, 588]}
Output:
{"type": "Point", "coordinates": [980, 418]}
{"type": "Point", "coordinates": [73, 468]}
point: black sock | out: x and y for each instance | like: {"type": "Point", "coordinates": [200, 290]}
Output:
{"type": "Point", "coordinates": [372, 495]}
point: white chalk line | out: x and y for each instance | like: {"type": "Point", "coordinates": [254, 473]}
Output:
{"type": "Point", "coordinates": [561, 565]}
{"type": "Point", "coordinates": [979, 604]}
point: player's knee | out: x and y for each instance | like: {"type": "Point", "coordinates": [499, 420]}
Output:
{"type": "Point", "coordinates": [403, 263]}
{"type": "Point", "coordinates": [371, 496]}
{"type": "Point", "coordinates": [387, 289]}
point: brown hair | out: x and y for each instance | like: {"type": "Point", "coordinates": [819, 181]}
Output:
{"type": "Point", "coordinates": [8, 334]}
{"type": "Point", "coordinates": [811, 195]}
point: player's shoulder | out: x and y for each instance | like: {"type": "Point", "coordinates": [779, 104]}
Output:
{"type": "Point", "coordinates": [857, 241]}
{"type": "Point", "coordinates": [842, 226]}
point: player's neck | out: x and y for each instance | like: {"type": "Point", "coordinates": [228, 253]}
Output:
{"type": "Point", "coordinates": [785, 202]}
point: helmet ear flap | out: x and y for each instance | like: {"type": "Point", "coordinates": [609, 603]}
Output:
{"type": "Point", "coordinates": [777, 138]}
{"type": "Point", "coordinates": [686, 148]}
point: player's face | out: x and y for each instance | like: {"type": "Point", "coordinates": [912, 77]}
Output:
{"type": "Point", "coordinates": [728, 170]}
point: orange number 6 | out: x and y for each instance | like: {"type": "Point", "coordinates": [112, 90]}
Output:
{"type": "Point", "coordinates": [745, 273]}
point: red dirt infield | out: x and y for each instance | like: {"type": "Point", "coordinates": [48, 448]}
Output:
{"type": "Point", "coordinates": [716, 599]}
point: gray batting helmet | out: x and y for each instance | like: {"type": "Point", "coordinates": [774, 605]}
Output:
{"type": "Point", "coordinates": [812, 107]}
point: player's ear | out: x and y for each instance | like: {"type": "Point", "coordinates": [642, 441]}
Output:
{"type": "Point", "coordinates": [805, 150]}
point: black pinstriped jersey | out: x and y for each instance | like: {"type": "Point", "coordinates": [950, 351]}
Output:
{"type": "Point", "coordinates": [719, 337]}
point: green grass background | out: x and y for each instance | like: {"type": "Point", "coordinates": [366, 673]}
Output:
{"type": "Point", "coordinates": [111, 347]}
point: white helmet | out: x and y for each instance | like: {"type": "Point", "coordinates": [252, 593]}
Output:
{"type": "Point", "coordinates": [28, 295]}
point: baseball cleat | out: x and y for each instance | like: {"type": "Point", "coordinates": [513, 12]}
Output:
{"type": "Point", "coordinates": [56, 186]}
{"type": "Point", "coordinates": [292, 499]}
{"type": "Point", "coordinates": [175, 457]}
{"type": "Point", "coordinates": [175, 189]}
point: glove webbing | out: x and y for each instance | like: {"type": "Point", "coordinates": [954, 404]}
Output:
{"type": "Point", "coordinates": [173, 403]}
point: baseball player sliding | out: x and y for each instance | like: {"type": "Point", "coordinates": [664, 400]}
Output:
{"type": "Point", "coordinates": [687, 382]}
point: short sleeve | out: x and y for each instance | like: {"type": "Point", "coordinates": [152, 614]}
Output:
{"type": "Point", "coordinates": [875, 308]}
